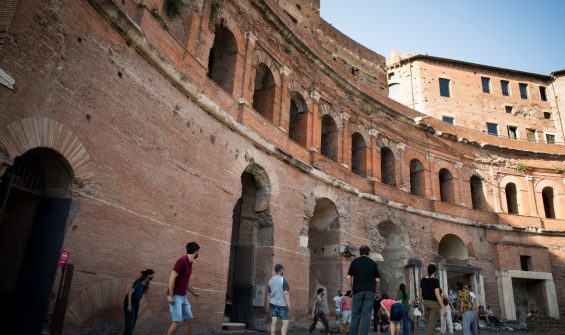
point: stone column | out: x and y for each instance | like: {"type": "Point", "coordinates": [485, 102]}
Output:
{"type": "Point", "coordinates": [345, 152]}
{"type": "Point", "coordinates": [551, 298]}
{"type": "Point", "coordinates": [532, 196]}
{"type": "Point", "coordinates": [505, 295]}
{"type": "Point", "coordinates": [245, 92]}
{"type": "Point", "coordinates": [434, 179]}
{"type": "Point", "coordinates": [496, 191]}
{"type": "Point", "coordinates": [457, 186]}
{"type": "Point", "coordinates": [283, 117]}
{"type": "Point", "coordinates": [374, 168]}
{"type": "Point", "coordinates": [403, 184]}
{"type": "Point", "coordinates": [313, 138]}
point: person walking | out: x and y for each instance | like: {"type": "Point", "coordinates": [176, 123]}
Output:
{"type": "Point", "coordinates": [364, 279]}
{"type": "Point", "coordinates": [337, 300]}
{"type": "Point", "coordinates": [467, 310]}
{"type": "Point", "coordinates": [278, 300]}
{"type": "Point", "coordinates": [178, 288]}
{"type": "Point", "coordinates": [446, 319]}
{"type": "Point", "coordinates": [345, 307]}
{"type": "Point", "coordinates": [432, 301]}
{"type": "Point", "coordinates": [131, 301]}
{"type": "Point", "coordinates": [417, 312]}
{"type": "Point", "coordinates": [319, 312]}
{"type": "Point", "coordinates": [404, 299]}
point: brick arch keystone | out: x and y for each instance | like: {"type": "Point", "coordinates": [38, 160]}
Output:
{"type": "Point", "coordinates": [25, 134]}
{"type": "Point", "coordinates": [253, 156]}
{"type": "Point", "coordinates": [261, 57]}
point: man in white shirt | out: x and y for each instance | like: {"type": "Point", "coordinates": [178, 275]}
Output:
{"type": "Point", "coordinates": [337, 302]}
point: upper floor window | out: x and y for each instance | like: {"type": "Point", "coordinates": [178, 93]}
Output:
{"type": "Point", "coordinates": [508, 109]}
{"type": "Point", "coordinates": [512, 132]}
{"type": "Point", "coordinates": [523, 90]}
{"type": "Point", "coordinates": [448, 119]}
{"type": "Point", "coordinates": [542, 94]}
{"type": "Point", "coordinates": [550, 138]}
{"type": "Point", "coordinates": [492, 128]}
{"type": "Point", "coordinates": [531, 135]}
{"type": "Point", "coordinates": [504, 85]}
{"type": "Point", "coordinates": [486, 84]}
{"type": "Point", "coordinates": [547, 115]}
{"type": "Point", "coordinates": [444, 87]}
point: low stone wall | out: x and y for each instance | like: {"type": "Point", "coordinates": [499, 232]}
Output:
{"type": "Point", "coordinates": [545, 325]}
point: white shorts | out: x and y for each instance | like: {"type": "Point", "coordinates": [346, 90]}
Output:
{"type": "Point", "coordinates": [417, 312]}
{"type": "Point", "coordinates": [345, 316]}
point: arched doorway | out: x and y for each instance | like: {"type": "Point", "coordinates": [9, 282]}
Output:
{"type": "Point", "coordinates": [511, 198]}
{"type": "Point", "coordinates": [35, 200]}
{"type": "Point", "coordinates": [446, 189]}
{"type": "Point", "coordinates": [388, 170]}
{"type": "Point", "coordinates": [477, 193]}
{"type": "Point", "coordinates": [251, 247]}
{"type": "Point", "coordinates": [264, 91]}
{"type": "Point", "coordinates": [393, 252]}
{"type": "Point", "coordinates": [358, 155]}
{"type": "Point", "coordinates": [549, 209]}
{"type": "Point", "coordinates": [298, 119]}
{"type": "Point", "coordinates": [326, 269]}
{"type": "Point", "coordinates": [417, 178]}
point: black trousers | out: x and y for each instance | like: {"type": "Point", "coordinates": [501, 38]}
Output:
{"type": "Point", "coordinates": [322, 317]}
{"type": "Point", "coordinates": [130, 317]}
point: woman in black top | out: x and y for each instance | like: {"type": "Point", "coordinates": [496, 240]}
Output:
{"type": "Point", "coordinates": [431, 299]}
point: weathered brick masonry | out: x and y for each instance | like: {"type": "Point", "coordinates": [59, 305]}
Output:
{"type": "Point", "coordinates": [264, 134]}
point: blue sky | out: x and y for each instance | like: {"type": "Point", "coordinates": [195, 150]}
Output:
{"type": "Point", "coordinates": [525, 35]}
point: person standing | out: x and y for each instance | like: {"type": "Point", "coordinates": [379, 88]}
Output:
{"type": "Point", "coordinates": [378, 320]}
{"type": "Point", "coordinates": [178, 288]}
{"type": "Point", "coordinates": [319, 312]}
{"type": "Point", "coordinates": [432, 301]}
{"type": "Point", "coordinates": [337, 300]}
{"type": "Point", "coordinates": [364, 279]}
{"type": "Point", "coordinates": [446, 319]}
{"type": "Point", "coordinates": [394, 311]}
{"type": "Point", "coordinates": [345, 307]}
{"type": "Point", "coordinates": [132, 299]}
{"type": "Point", "coordinates": [404, 299]}
{"type": "Point", "coordinates": [467, 310]}
{"type": "Point", "coordinates": [278, 299]}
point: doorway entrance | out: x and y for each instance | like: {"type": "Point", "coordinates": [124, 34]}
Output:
{"type": "Point", "coordinates": [35, 201]}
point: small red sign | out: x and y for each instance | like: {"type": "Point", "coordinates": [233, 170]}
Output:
{"type": "Point", "coordinates": [63, 258]}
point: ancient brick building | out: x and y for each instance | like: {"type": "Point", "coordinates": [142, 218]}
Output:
{"type": "Point", "coordinates": [131, 127]}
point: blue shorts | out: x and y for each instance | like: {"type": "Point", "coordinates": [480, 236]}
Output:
{"type": "Point", "coordinates": [180, 309]}
{"type": "Point", "coordinates": [280, 312]}
{"type": "Point", "coordinates": [396, 312]}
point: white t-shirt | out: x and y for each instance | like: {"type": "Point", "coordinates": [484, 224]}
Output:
{"type": "Point", "coordinates": [337, 300]}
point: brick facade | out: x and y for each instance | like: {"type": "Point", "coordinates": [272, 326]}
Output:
{"type": "Point", "coordinates": [162, 151]}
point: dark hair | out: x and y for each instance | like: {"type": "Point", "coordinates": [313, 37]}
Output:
{"type": "Point", "coordinates": [384, 296]}
{"type": "Point", "coordinates": [431, 269]}
{"type": "Point", "coordinates": [348, 293]}
{"type": "Point", "coordinates": [144, 275]}
{"type": "Point", "coordinates": [364, 250]}
{"type": "Point", "coordinates": [459, 285]}
{"type": "Point", "coordinates": [320, 290]}
{"type": "Point", "coordinates": [402, 289]}
{"type": "Point", "coordinates": [192, 247]}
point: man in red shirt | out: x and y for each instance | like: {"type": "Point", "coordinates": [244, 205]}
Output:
{"type": "Point", "coordinates": [178, 286]}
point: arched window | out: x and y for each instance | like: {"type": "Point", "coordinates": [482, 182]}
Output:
{"type": "Point", "coordinates": [447, 192]}
{"type": "Point", "coordinates": [222, 59]}
{"type": "Point", "coordinates": [264, 91]}
{"type": "Point", "coordinates": [477, 193]}
{"type": "Point", "coordinates": [417, 178]}
{"type": "Point", "coordinates": [547, 195]}
{"type": "Point", "coordinates": [388, 173]}
{"type": "Point", "coordinates": [393, 91]}
{"type": "Point", "coordinates": [511, 198]}
{"type": "Point", "coordinates": [329, 138]}
{"type": "Point", "coordinates": [358, 155]}
{"type": "Point", "coordinates": [298, 119]}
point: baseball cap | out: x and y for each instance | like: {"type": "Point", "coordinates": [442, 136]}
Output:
{"type": "Point", "coordinates": [278, 267]}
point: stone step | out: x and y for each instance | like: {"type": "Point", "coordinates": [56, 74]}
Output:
{"type": "Point", "coordinates": [233, 326]}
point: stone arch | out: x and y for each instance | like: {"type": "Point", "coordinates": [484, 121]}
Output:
{"type": "Point", "coordinates": [422, 182]}
{"type": "Point", "coordinates": [550, 197]}
{"type": "Point", "coordinates": [329, 142]}
{"type": "Point", "coordinates": [297, 88]}
{"type": "Point", "coordinates": [326, 109]}
{"type": "Point", "coordinates": [363, 130]}
{"type": "Point", "coordinates": [512, 197]}
{"type": "Point", "coordinates": [453, 249]}
{"type": "Point", "coordinates": [446, 186]}
{"type": "Point", "coordinates": [102, 296]}
{"type": "Point", "coordinates": [388, 243]}
{"type": "Point", "coordinates": [23, 135]}
{"type": "Point", "coordinates": [223, 57]}
{"type": "Point", "coordinates": [478, 190]}
{"type": "Point", "coordinates": [388, 166]}
{"type": "Point", "coordinates": [261, 57]}
{"type": "Point", "coordinates": [265, 170]}
{"type": "Point", "coordinates": [298, 119]}
{"type": "Point", "coordinates": [264, 91]}
{"type": "Point", "coordinates": [358, 154]}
